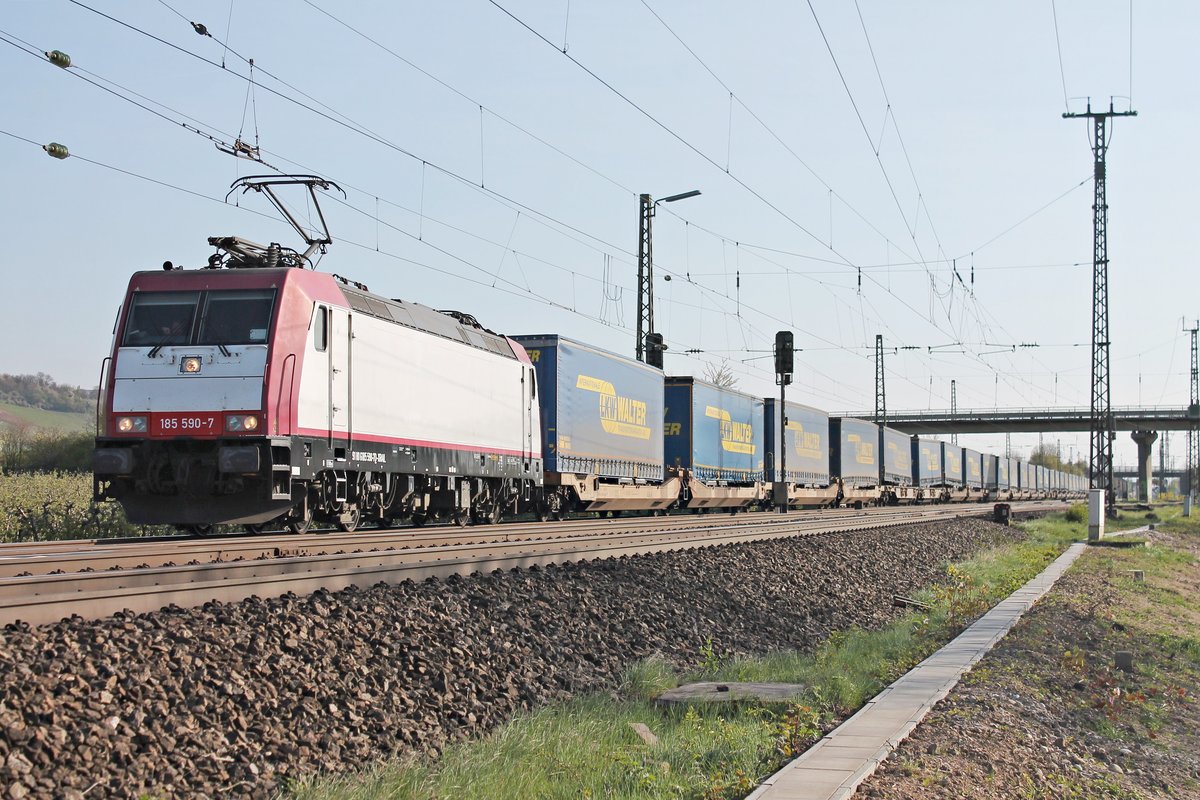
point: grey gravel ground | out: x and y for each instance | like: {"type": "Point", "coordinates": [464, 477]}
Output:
{"type": "Point", "coordinates": [230, 700]}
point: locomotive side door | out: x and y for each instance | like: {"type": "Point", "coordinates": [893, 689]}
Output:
{"type": "Point", "coordinates": [340, 339]}
{"type": "Point", "coordinates": [526, 431]}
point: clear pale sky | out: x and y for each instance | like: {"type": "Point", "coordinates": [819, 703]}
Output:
{"type": "Point", "coordinates": [964, 110]}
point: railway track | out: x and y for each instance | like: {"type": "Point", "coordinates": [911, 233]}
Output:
{"type": "Point", "coordinates": [269, 566]}
{"type": "Point", "coordinates": [42, 558]}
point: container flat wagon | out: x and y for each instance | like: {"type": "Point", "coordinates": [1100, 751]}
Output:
{"type": "Point", "coordinates": [897, 467]}
{"type": "Point", "coordinates": [806, 439]}
{"type": "Point", "coordinates": [853, 458]}
{"type": "Point", "coordinates": [929, 470]}
{"type": "Point", "coordinates": [601, 417]}
{"type": "Point", "coordinates": [713, 441]}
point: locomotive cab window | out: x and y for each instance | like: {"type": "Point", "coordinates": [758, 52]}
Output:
{"type": "Point", "coordinates": [237, 317]}
{"type": "Point", "coordinates": [158, 319]}
{"type": "Point", "coordinates": [161, 319]}
{"type": "Point", "coordinates": [321, 329]}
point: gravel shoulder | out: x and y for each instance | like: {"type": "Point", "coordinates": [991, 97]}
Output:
{"type": "Point", "coordinates": [1047, 714]}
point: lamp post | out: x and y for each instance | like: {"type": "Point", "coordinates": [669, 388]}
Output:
{"type": "Point", "coordinates": [649, 351]}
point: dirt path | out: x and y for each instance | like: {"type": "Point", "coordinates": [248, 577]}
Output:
{"type": "Point", "coordinates": [1048, 715]}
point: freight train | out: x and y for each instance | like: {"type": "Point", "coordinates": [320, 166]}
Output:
{"type": "Point", "coordinates": [256, 392]}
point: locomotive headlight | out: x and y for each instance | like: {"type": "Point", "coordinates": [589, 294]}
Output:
{"type": "Point", "coordinates": [190, 365]}
{"type": "Point", "coordinates": [236, 423]}
{"type": "Point", "coordinates": [131, 424]}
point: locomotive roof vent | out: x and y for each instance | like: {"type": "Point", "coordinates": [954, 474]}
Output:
{"type": "Point", "coordinates": [239, 253]}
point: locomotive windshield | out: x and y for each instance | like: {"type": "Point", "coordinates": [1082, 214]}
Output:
{"type": "Point", "coordinates": [238, 317]}
{"type": "Point", "coordinates": [160, 319]}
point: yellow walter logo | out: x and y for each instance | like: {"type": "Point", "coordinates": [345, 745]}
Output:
{"type": "Point", "coordinates": [901, 458]}
{"type": "Point", "coordinates": [808, 443]}
{"type": "Point", "coordinates": [736, 437]}
{"type": "Point", "coordinates": [620, 416]}
{"type": "Point", "coordinates": [864, 452]}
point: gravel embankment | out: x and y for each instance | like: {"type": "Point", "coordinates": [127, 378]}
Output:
{"type": "Point", "coordinates": [227, 700]}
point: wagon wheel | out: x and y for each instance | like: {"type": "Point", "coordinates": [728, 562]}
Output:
{"type": "Point", "coordinates": [255, 529]}
{"type": "Point", "coordinates": [348, 522]}
{"type": "Point", "coordinates": [199, 530]}
{"type": "Point", "coordinates": [555, 507]}
{"type": "Point", "coordinates": [302, 522]}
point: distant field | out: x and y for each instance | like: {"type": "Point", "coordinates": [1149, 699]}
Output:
{"type": "Point", "coordinates": [47, 420]}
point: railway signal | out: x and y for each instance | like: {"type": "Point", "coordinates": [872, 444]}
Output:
{"type": "Point", "coordinates": [785, 362]}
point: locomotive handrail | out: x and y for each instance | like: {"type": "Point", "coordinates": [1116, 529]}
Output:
{"type": "Point", "coordinates": [283, 374]}
{"type": "Point", "coordinates": [100, 392]}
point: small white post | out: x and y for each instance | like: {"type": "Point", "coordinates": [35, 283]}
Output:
{"type": "Point", "coordinates": [1095, 515]}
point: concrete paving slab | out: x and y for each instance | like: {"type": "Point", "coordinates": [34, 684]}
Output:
{"type": "Point", "coordinates": [836, 750]}
{"type": "Point", "coordinates": [834, 767]}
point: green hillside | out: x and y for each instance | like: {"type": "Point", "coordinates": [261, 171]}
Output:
{"type": "Point", "coordinates": [58, 421]}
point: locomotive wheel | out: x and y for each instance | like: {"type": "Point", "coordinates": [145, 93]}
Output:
{"type": "Point", "coordinates": [419, 520]}
{"type": "Point", "coordinates": [348, 522]}
{"type": "Point", "coordinates": [461, 518]}
{"type": "Point", "coordinates": [489, 516]}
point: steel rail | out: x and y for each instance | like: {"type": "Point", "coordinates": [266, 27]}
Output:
{"type": "Point", "coordinates": [41, 599]}
{"type": "Point", "coordinates": [103, 554]}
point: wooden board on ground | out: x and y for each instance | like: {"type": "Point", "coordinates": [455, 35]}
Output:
{"type": "Point", "coordinates": [712, 692]}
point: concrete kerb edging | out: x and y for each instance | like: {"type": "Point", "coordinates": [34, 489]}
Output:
{"type": "Point", "coordinates": [821, 773]}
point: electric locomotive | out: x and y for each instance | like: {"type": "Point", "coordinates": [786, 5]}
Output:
{"type": "Point", "coordinates": [255, 390]}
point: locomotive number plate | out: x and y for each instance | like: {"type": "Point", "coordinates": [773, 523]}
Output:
{"type": "Point", "coordinates": [186, 424]}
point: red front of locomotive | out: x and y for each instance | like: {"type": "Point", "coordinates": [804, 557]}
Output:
{"type": "Point", "coordinates": [199, 397]}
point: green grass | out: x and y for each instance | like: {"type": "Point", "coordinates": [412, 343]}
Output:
{"type": "Point", "coordinates": [60, 421]}
{"type": "Point", "coordinates": [585, 748]}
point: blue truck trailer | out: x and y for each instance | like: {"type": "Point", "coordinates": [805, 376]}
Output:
{"type": "Point", "coordinates": [1003, 470]}
{"type": "Point", "coordinates": [897, 457]}
{"type": "Point", "coordinates": [853, 445]}
{"type": "Point", "coordinates": [990, 470]}
{"type": "Point", "coordinates": [601, 413]}
{"type": "Point", "coordinates": [952, 461]}
{"type": "Point", "coordinates": [806, 437]}
{"type": "Point", "coordinates": [928, 464]}
{"type": "Point", "coordinates": [972, 468]}
{"type": "Point", "coordinates": [715, 433]}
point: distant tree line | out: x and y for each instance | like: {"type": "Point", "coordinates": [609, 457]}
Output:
{"type": "Point", "coordinates": [40, 391]}
{"type": "Point", "coordinates": [1045, 455]}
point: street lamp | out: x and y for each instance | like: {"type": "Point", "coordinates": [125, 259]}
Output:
{"type": "Point", "coordinates": [649, 344]}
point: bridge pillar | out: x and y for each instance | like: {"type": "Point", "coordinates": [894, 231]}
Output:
{"type": "Point", "coordinates": [1144, 440]}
